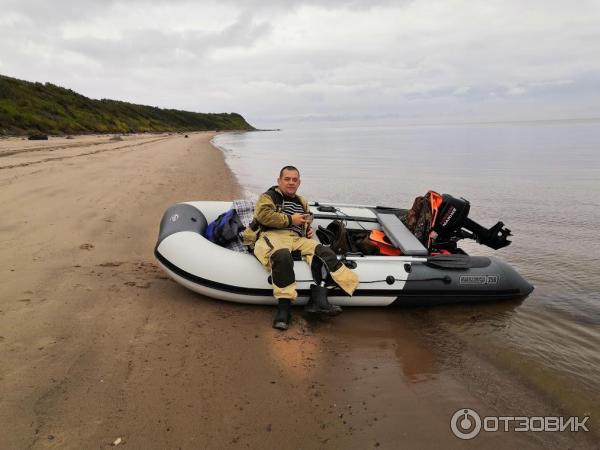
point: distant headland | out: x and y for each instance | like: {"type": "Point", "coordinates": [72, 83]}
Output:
{"type": "Point", "coordinates": [32, 108]}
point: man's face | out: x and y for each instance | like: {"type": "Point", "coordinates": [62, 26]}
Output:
{"type": "Point", "coordinates": [289, 182]}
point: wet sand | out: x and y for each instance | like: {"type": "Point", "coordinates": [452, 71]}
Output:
{"type": "Point", "coordinates": [97, 344]}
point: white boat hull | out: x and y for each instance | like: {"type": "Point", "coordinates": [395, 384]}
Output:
{"type": "Point", "coordinates": [204, 267]}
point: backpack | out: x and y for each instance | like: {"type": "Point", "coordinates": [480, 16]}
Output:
{"type": "Point", "coordinates": [225, 228]}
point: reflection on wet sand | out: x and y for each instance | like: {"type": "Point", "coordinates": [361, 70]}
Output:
{"type": "Point", "coordinates": [297, 352]}
{"type": "Point", "coordinates": [300, 352]}
{"type": "Point", "coordinates": [419, 337]}
{"type": "Point", "coordinates": [371, 331]}
{"type": "Point", "coordinates": [389, 375]}
{"type": "Point", "coordinates": [373, 369]}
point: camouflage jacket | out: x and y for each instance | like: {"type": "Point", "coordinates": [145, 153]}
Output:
{"type": "Point", "coordinates": [418, 219]}
{"type": "Point", "coordinates": [268, 215]}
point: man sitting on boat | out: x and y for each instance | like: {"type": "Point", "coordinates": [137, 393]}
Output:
{"type": "Point", "coordinates": [281, 226]}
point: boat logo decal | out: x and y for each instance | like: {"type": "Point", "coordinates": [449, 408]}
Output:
{"type": "Point", "coordinates": [174, 218]}
{"type": "Point", "coordinates": [479, 279]}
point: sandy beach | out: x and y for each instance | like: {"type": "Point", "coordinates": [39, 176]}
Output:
{"type": "Point", "coordinates": [97, 344]}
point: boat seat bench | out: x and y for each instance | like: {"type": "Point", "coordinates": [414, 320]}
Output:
{"type": "Point", "coordinates": [401, 236]}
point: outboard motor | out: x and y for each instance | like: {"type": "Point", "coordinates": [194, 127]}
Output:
{"type": "Point", "coordinates": [452, 224]}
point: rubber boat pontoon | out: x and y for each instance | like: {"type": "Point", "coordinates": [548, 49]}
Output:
{"type": "Point", "coordinates": [415, 278]}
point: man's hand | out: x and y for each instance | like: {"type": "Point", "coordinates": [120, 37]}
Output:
{"type": "Point", "coordinates": [310, 233]}
{"type": "Point", "coordinates": [299, 219]}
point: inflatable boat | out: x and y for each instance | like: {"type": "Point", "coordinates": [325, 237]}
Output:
{"type": "Point", "coordinates": [414, 277]}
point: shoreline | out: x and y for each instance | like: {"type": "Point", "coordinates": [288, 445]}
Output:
{"type": "Point", "coordinates": [244, 192]}
{"type": "Point", "coordinates": [98, 344]}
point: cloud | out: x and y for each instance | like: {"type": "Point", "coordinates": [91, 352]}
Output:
{"type": "Point", "coordinates": [155, 47]}
{"type": "Point", "coordinates": [269, 59]}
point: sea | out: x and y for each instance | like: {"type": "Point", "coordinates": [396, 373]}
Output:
{"type": "Point", "coordinates": [541, 178]}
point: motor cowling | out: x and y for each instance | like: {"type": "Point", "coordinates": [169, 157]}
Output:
{"type": "Point", "coordinates": [451, 215]}
{"type": "Point", "coordinates": [452, 224]}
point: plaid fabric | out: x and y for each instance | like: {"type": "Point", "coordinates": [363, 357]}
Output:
{"type": "Point", "coordinates": [245, 211]}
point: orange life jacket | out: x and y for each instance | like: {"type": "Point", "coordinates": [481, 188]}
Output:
{"type": "Point", "coordinates": [435, 200]}
{"type": "Point", "coordinates": [378, 238]}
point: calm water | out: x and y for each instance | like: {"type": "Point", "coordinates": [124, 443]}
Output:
{"type": "Point", "coordinates": [541, 179]}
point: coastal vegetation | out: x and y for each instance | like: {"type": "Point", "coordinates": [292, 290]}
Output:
{"type": "Point", "coordinates": [34, 108]}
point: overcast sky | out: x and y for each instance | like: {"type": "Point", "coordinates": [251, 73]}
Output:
{"type": "Point", "coordinates": [273, 61]}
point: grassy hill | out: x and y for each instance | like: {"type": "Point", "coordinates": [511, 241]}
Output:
{"type": "Point", "coordinates": [27, 107]}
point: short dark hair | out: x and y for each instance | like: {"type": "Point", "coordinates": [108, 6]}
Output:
{"type": "Point", "coordinates": [288, 168]}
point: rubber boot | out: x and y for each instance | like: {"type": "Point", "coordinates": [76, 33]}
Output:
{"type": "Point", "coordinates": [318, 303]}
{"type": "Point", "coordinates": [283, 316]}
{"type": "Point", "coordinates": [311, 307]}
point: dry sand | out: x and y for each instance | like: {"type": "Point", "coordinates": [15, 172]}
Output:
{"type": "Point", "coordinates": [97, 344]}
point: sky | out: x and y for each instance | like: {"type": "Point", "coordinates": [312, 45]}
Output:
{"type": "Point", "coordinates": [278, 62]}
